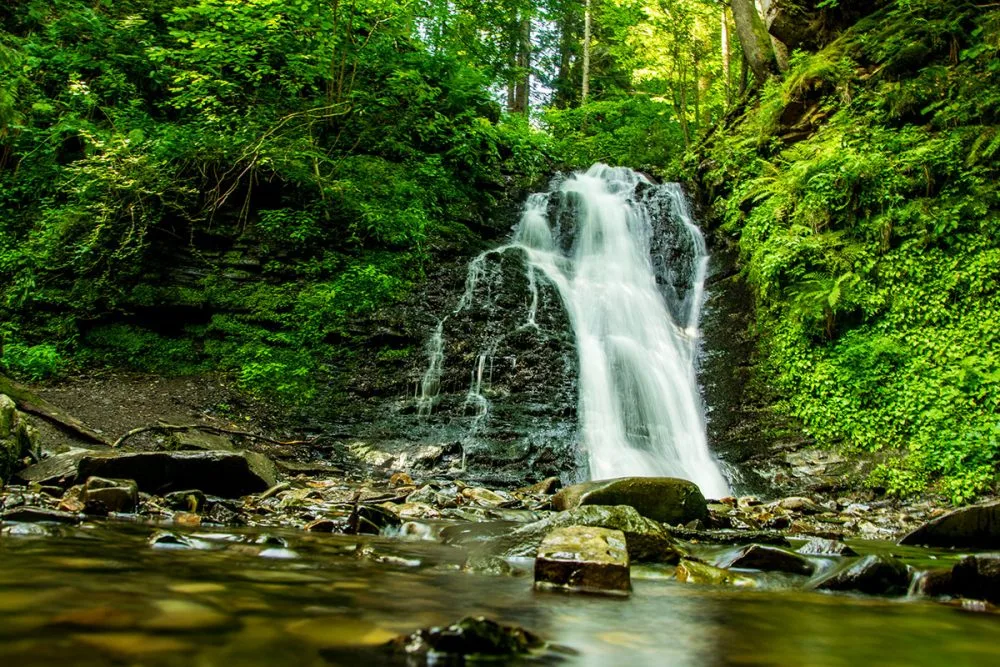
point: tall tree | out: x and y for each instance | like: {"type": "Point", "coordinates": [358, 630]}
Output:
{"type": "Point", "coordinates": [585, 90]}
{"type": "Point", "coordinates": [754, 39]}
{"type": "Point", "coordinates": [522, 73]}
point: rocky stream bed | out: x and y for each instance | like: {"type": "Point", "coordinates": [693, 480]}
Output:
{"type": "Point", "coordinates": [188, 549]}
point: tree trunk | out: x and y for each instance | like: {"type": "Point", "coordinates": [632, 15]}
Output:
{"type": "Point", "coordinates": [585, 88]}
{"type": "Point", "coordinates": [726, 59]}
{"type": "Point", "coordinates": [744, 75]}
{"type": "Point", "coordinates": [564, 88]}
{"type": "Point", "coordinates": [522, 87]}
{"type": "Point", "coordinates": [755, 39]}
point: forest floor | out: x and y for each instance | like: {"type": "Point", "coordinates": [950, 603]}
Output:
{"type": "Point", "coordinates": [115, 402]}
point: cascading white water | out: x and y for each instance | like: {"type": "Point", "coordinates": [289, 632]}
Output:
{"type": "Point", "coordinates": [640, 409]}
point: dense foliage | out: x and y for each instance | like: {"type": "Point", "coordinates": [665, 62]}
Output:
{"type": "Point", "coordinates": [204, 183]}
{"type": "Point", "coordinates": [863, 194]}
{"type": "Point", "coordinates": [237, 184]}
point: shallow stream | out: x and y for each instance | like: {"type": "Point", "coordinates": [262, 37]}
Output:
{"type": "Point", "coordinates": [120, 593]}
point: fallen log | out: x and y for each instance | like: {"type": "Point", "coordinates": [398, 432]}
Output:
{"type": "Point", "coordinates": [28, 401]}
{"type": "Point", "coordinates": [164, 427]}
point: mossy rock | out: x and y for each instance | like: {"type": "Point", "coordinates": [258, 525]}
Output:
{"type": "Point", "coordinates": [17, 438]}
{"type": "Point", "coordinates": [669, 500]}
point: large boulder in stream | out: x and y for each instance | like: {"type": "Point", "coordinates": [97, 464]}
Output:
{"type": "Point", "coordinates": [977, 577]}
{"type": "Point", "coordinates": [975, 527]}
{"type": "Point", "coordinates": [768, 559]}
{"type": "Point", "coordinates": [875, 575]}
{"type": "Point", "coordinates": [666, 499]}
{"type": "Point", "coordinates": [219, 473]}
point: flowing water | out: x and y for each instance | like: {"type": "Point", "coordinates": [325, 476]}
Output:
{"type": "Point", "coordinates": [113, 593]}
{"type": "Point", "coordinates": [640, 408]}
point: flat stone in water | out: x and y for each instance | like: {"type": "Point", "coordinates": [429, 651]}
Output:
{"type": "Point", "coordinates": [40, 515]}
{"type": "Point", "coordinates": [583, 558]}
{"type": "Point", "coordinates": [131, 645]}
{"type": "Point", "coordinates": [101, 617]}
{"type": "Point", "coordinates": [280, 577]}
{"type": "Point", "coordinates": [187, 616]}
{"type": "Point", "coordinates": [334, 631]}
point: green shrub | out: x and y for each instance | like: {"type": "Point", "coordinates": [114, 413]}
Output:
{"type": "Point", "coordinates": [32, 362]}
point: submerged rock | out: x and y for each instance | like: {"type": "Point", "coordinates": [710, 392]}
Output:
{"type": "Point", "coordinates": [975, 527]}
{"type": "Point", "coordinates": [769, 559]}
{"type": "Point", "coordinates": [695, 572]}
{"type": "Point", "coordinates": [977, 577]}
{"type": "Point", "coordinates": [583, 558]}
{"type": "Point", "coordinates": [470, 639]}
{"type": "Point", "coordinates": [875, 575]}
{"type": "Point", "coordinates": [818, 546]}
{"type": "Point", "coordinates": [645, 539]}
{"type": "Point", "coordinates": [666, 499]}
{"type": "Point", "coordinates": [227, 474]}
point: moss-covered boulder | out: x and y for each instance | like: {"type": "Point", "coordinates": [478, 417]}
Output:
{"type": "Point", "coordinates": [666, 499]}
{"type": "Point", "coordinates": [17, 437]}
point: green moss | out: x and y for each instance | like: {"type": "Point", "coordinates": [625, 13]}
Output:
{"type": "Point", "coordinates": [872, 243]}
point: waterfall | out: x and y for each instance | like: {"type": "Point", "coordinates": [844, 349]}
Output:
{"type": "Point", "coordinates": [640, 409]}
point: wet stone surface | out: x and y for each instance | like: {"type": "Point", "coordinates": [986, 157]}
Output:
{"type": "Point", "coordinates": [583, 558]}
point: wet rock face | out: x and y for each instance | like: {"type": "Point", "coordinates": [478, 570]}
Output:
{"type": "Point", "coordinates": [583, 558]}
{"type": "Point", "coordinates": [507, 393]}
{"type": "Point", "coordinates": [976, 527]}
{"type": "Point", "coordinates": [665, 499]}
